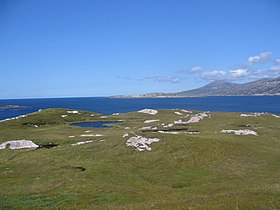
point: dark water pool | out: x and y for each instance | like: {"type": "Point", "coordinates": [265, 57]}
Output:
{"type": "Point", "coordinates": [94, 124]}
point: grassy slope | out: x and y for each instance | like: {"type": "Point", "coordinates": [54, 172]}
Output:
{"type": "Point", "coordinates": [205, 171]}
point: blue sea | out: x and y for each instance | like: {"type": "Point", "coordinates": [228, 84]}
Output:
{"type": "Point", "coordinates": [105, 105]}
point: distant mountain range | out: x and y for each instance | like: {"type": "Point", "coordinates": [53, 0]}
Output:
{"type": "Point", "coordinates": [268, 86]}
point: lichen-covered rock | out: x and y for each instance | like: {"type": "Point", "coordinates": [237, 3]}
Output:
{"type": "Point", "coordinates": [141, 143]}
{"type": "Point", "coordinates": [196, 118]}
{"type": "Point", "coordinates": [240, 132]}
{"type": "Point", "coordinates": [18, 144]}
{"type": "Point", "coordinates": [148, 111]}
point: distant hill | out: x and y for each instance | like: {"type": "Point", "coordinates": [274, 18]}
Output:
{"type": "Point", "coordinates": [268, 86]}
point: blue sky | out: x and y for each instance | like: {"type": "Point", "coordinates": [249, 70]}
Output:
{"type": "Point", "coordinates": [69, 48]}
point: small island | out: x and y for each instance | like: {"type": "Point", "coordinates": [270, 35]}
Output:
{"type": "Point", "coordinates": [13, 107]}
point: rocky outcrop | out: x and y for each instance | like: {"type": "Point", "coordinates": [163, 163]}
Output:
{"type": "Point", "coordinates": [148, 111]}
{"type": "Point", "coordinates": [19, 144]}
{"type": "Point", "coordinates": [141, 143]}
{"type": "Point", "coordinates": [240, 132]}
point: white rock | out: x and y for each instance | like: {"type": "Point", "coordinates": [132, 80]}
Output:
{"type": "Point", "coordinates": [13, 118]}
{"type": "Point", "coordinates": [88, 131]}
{"type": "Point", "coordinates": [71, 136]}
{"type": "Point", "coordinates": [141, 143]}
{"type": "Point", "coordinates": [186, 111]}
{"type": "Point", "coordinates": [125, 135]}
{"type": "Point", "coordinates": [178, 113]}
{"type": "Point", "coordinates": [149, 111]}
{"type": "Point", "coordinates": [127, 128]}
{"type": "Point", "coordinates": [256, 114]}
{"type": "Point", "coordinates": [146, 128]}
{"type": "Point", "coordinates": [64, 115]}
{"type": "Point", "coordinates": [19, 144]}
{"type": "Point", "coordinates": [92, 115]}
{"type": "Point", "coordinates": [73, 112]}
{"type": "Point", "coordinates": [103, 117]}
{"type": "Point", "coordinates": [179, 122]}
{"type": "Point", "coordinates": [81, 142]}
{"type": "Point", "coordinates": [150, 121]}
{"type": "Point", "coordinates": [197, 117]}
{"type": "Point", "coordinates": [178, 132]}
{"type": "Point", "coordinates": [274, 115]}
{"type": "Point", "coordinates": [115, 114]}
{"type": "Point", "coordinates": [87, 135]}
{"type": "Point", "coordinates": [169, 125]}
{"type": "Point", "coordinates": [241, 132]}
{"type": "Point", "coordinates": [170, 132]}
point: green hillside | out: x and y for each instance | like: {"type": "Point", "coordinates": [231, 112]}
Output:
{"type": "Point", "coordinates": [193, 167]}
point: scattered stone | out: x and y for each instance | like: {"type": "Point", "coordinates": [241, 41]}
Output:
{"type": "Point", "coordinates": [102, 140]}
{"type": "Point", "coordinates": [193, 132]}
{"type": "Point", "coordinates": [146, 128]}
{"type": "Point", "coordinates": [81, 142]}
{"type": "Point", "coordinates": [88, 131]}
{"type": "Point", "coordinates": [127, 128]}
{"type": "Point", "coordinates": [255, 114]}
{"type": "Point", "coordinates": [178, 132]}
{"type": "Point", "coordinates": [64, 115]}
{"type": "Point", "coordinates": [125, 135]}
{"type": "Point", "coordinates": [170, 132]}
{"type": "Point", "coordinates": [169, 125]}
{"type": "Point", "coordinates": [186, 111]}
{"type": "Point", "coordinates": [92, 115]}
{"type": "Point", "coordinates": [73, 112]}
{"type": "Point", "coordinates": [36, 126]}
{"type": "Point", "coordinates": [13, 118]}
{"type": "Point", "coordinates": [19, 144]}
{"type": "Point", "coordinates": [274, 115]}
{"type": "Point", "coordinates": [180, 122]}
{"type": "Point", "coordinates": [90, 135]}
{"type": "Point", "coordinates": [141, 143]}
{"type": "Point", "coordinates": [103, 117]}
{"type": "Point", "coordinates": [150, 121]}
{"type": "Point", "coordinates": [197, 117]}
{"type": "Point", "coordinates": [148, 111]}
{"type": "Point", "coordinates": [87, 135]}
{"type": "Point", "coordinates": [178, 113]}
{"type": "Point", "coordinates": [115, 114]}
{"type": "Point", "coordinates": [71, 136]}
{"type": "Point", "coordinates": [240, 132]}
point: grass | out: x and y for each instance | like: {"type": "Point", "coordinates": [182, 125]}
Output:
{"type": "Point", "coordinates": [205, 171]}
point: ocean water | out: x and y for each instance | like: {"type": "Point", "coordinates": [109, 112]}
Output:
{"type": "Point", "coordinates": [104, 105]}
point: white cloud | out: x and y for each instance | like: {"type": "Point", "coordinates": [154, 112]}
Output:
{"type": "Point", "coordinates": [261, 58]}
{"type": "Point", "coordinates": [196, 69]}
{"type": "Point", "coordinates": [168, 79]}
{"type": "Point", "coordinates": [213, 75]}
{"type": "Point", "coordinates": [275, 68]}
{"type": "Point", "coordinates": [277, 61]}
{"type": "Point", "coordinates": [238, 73]}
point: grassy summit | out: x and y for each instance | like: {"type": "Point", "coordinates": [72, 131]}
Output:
{"type": "Point", "coordinates": [193, 166]}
